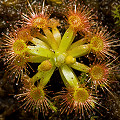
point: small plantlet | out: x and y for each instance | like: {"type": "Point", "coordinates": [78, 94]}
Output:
{"type": "Point", "coordinates": [116, 14]}
{"type": "Point", "coordinates": [41, 37]}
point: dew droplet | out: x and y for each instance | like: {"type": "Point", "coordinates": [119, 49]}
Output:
{"type": "Point", "coordinates": [14, 96]}
{"type": "Point", "coordinates": [16, 83]}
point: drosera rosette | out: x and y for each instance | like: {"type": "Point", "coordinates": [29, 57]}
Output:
{"type": "Point", "coordinates": [34, 97]}
{"type": "Point", "coordinates": [62, 56]}
{"type": "Point", "coordinates": [102, 41]}
{"type": "Point", "coordinates": [54, 49]}
{"type": "Point", "coordinates": [39, 40]}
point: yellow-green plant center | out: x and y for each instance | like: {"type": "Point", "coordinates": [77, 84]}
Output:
{"type": "Point", "coordinates": [97, 72]}
{"type": "Point", "coordinates": [81, 95]}
{"type": "Point", "coordinates": [39, 22]}
{"type": "Point", "coordinates": [19, 47]}
{"type": "Point", "coordinates": [59, 59]}
{"type": "Point", "coordinates": [37, 94]}
{"type": "Point", "coordinates": [97, 43]}
{"type": "Point", "coordinates": [75, 21]}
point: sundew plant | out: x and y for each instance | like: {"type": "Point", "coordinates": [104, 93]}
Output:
{"type": "Point", "coordinates": [59, 39]}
